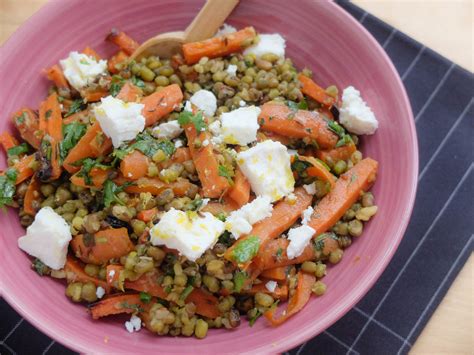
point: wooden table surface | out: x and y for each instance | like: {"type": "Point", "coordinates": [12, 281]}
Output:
{"type": "Point", "coordinates": [450, 329]}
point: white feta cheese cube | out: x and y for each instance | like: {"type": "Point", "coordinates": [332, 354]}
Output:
{"type": "Point", "coordinates": [299, 239]}
{"type": "Point", "coordinates": [232, 70]}
{"type": "Point", "coordinates": [271, 285]}
{"type": "Point", "coordinates": [168, 130]}
{"type": "Point", "coordinates": [189, 233]}
{"type": "Point", "coordinates": [240, 222]}
{"type": "Point", "coordinates": [121, 121]}
{"type": "Point", "coordinates": [188, 107]}
{"type": "Point", "coordinates": [205, 101]}
{"type": "Point", "coordinates": [268, 43]}
{"type": "Point", "coordinates": [355, 115]}
{"type": "Point", "coordinates": [178, 143]}
{"type": "Point", "coordinates": [99, 292]}
{"type": "Point", "coordinates": [47, 238]}
{"type": "Point", "coordinates": [134, 324]}
{"type": "Point", "coordinates": [306, 215]}
{"type": "Point", "coordinates": [240, 126]}
{"type": "Point", "coordinates": [225, 30]}
{"type": "Point", "coordinates": [267, 168]}
{"type": "Point", "coordinates": [310, 188]}
{"type": "Point", "coordinates": [81, 70]}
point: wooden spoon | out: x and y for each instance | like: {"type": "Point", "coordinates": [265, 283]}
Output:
{"type": "Point", "coordinates": [205, 25]}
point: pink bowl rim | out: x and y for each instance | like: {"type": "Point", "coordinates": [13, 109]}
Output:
{"type": "Point", "coordinates": [360, 290]}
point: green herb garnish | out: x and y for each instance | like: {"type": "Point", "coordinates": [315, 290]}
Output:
{"type": "Point", "coordinates": [145, 297]}
{"type": "Point", "coordinates": [300, 167]}
{"type": "Point", "coordinates": [345, 140]}
{"type": "Point", "coordinates": [76, 106]}
{"type": "Point", "coordinates": [225, 172]}
{"type": "Point", "coordinates": [40, 268]}
{"type": "Point", "coordinates": [239, 280]}
{"type": "Point", "coordinates": [336, 128]}
{"type": "Point", "coordinates": [186, 292]}
{"type": "Point", "coordinates": [116, 85]}
{"type": "Point", "coordinates": [226, 239]}
{"type": "Point", "coordinates": [7, 187]}
{"type": "Point", "coordinates": [246, 249]}
{"type": "Point", "coordinates": [111, 190]}
{"type": "Point", "coordinates": [197, 120]}
{"type": "Point", "coordinates": [257, 315]}
{"type": "Point", "coordinates": [72, 133]}
{"type": "Point", "coordinates": [19, 149]}
{"type": "Point", "coordinates": [86, 166]}
{"type": "Point", "coordinates": [134, 307]}
{"type": "Point", "coordinates": [295, 106]}
{"type": "Point", "coordinates": [138, 82]}
{"type": "Point", "coordinates": [150, 146]}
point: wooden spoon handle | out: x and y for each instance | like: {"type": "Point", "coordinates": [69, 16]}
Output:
{"type": "Point", "coordinates": [209, 19]}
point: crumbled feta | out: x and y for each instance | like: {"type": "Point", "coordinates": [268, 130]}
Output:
{"type": "Point", "coordinates": [225, 30]}
{"type": "Point", "coordinates": [310, 188]}
{"type": "Point", "coordinates": [178, 143]}
{"type": "Point", "coordinates": [134, 324]}
{"type": "Point", "coordinates": [121, 121]}
{"type": "Point", "coordinates": [81, 70]}
{"type": "Point", "coordinates": [100, 292]}
{"type": "Point", "coordinates": [242, 103]}
{"type": "Point", "coordinates": [306, 215]}
{"type": "Point", "coordinates": [215, 128]}
{"type": "Point", "coordinates": [110, 276]}
{"type": "Point", "coordinates": [267, 168]}
{"type": "Point", "coordinates": [205, 142]}
{"type": "Point", "coordinates": [205, 101]}
{"type": "Point", "coordinates": [291, 198]}
{"type": "Point", "coordinates": [268, 43]}
{"type": "Point", "coordinates": [355, 115]}
{"type": "Point", "coordinates": [189, 233]}
{"type": "Point", "coordinates": [240, 222]}
{"type": "Point", "coordinates": [188, 107]}
{"type": "Point", "coordinates": [299, 238]}
{"type": "Point", "coordinates": [47, 238]}
{"type": "Point", "coordinates": [168, 130]}
{"type": "Point", "coordinates": [240, 126]}
{"type": "Point", "coordinates": [232, 70]}
{"type": "Point", "coordinates": [292, 152]}
{"type": "Point", "coordinates": [271, 285]}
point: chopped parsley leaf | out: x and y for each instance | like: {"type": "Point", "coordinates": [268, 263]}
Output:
{"type": "Point", "coordinates": [76, 106]}
{"type": "Point", "coordinates": [19, 149]}
{"type": "Point", "coordinates": [197, 120]}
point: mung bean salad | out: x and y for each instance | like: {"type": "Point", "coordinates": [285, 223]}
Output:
{"type": "Point", "coordinates": [192, 191]}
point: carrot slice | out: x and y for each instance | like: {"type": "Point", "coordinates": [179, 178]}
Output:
{"type": "Point", "coordinates": [318, 170]}
{"type": "Point", "coordinates": [280, 119]}
{"type": "Point", "coordinates": [284, 215]}
{"type": "Point", "coordinates": [98, 177]}
{"type": "Point", "coordinates": [87, 147]}
{"type": "Point", "coordinates": [91, 94]}
{"type": "Point", "coordinates": [124, 41]}
{"type": "Point", "coordinates": [116, 304]}
{"type": "Point", "coordinates": [261, 136]}
{"type": "Point", "coordinates": [7, 141]}
{"type": "Point", "coordinates": [216, 208]}
{"type": "Point", "coordinates": [118, 58]}
{"type": "Point", "coordinates": [335, 154]}
{"type": "Point", "coordinates": [103, 246]}
{"type": "Point", "coordinates": [130, 93]}
{"type": "Point", "coordinates": [26, 122]}
{"type": "Point", "coordinates": [81, 116]}
{"type": "Point", "coordinates": [207, 167]}
{"type": "Point", "coordinates": [280, 292]}
{"type": "Point", "coordinates": [155, 186]}
{"type": "Point", "coordinates": [32, 194]}
{"type": "Point", "coordinates": [313, 90]}
{"type": "Point", "coordinates": [135, 165]}
{"type": "Point", "coordinates": [23, 168]}
{"type": "Point", "coordinates": [218, 46]}
{"type": "Point", "coordinates": [75, 272]}
{"type": "Point", "coordinates": [147, 215]}
{"type": "Point", "coordinates": [277, 273]}
{"type": "Point", "coordinates": [240, 191]}
{"type": "Point", "coordinates": [297, 301]}
{"type": "Point", "coordinates": [180, 156]}
{"type": "Point", "coordinates": [56, 75]}
{"type": "Point", "coordinates": [159, 104]}
{"type": "Point", "coordinates": [91, 53]}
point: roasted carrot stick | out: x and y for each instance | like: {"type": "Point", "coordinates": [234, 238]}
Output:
{"type": "Point", "coordinates": [116, 304]}
{"type": "Point", "coordinates": [155, 186]}
{"type": "Point", "coordinates": [91, 53]}
{"type": "Point", "coordinates": [51, 122]}
{"type": "Point", "coordinates": [87, 147]}
{"type": "Point", "coordinates": [32, 195]}
{"type": "Point", "coordinates": [335, 154]}
{"type": "Point", "coordinates": [261, 136]}
{"type": "Point", "coordinates": [23, 168]}
{"type": "Point", "coordinates": [91, 94]}
{"type": "Point", "coordinates": [26, 122]}
{"type": "Point", "coordinates": [281, 292]}
{"type": "Point", "coordinates": [56, 75]}
{"type": "Point", "coordinates": [147, 215]}
{"type": "Point", "coordinates": [280, 119]}
{"type": "Point", "coordinates": [284, 215]}
{"type": "Point", "coordinates": [216, 208]}
{"type": "Point", "coordinates": [7, 141]}
{"type": "Point", "coordinates": [207, 167]}
{"type": "Point", "coordinates": [75, 272]}
{"type": "Point", "coordinates": [318, 170]}
{"type": "Point", "coordinates": [124, 41]}
{"type": "Point", "coordinates": [81, 116]}
{"type": "Point", "coordinates": [130, 93]}
{"type": "Point", "coordinates": [219, 46]}
{"type": "Point", "coordinates": [348, 188]}
{"type": "Point", "coordinates": [297, 301]}
{"type": "Point", "coordinates": [135, 165]}
{"type": "Point", "coordinates": [118, 58]}
{"type": "Point", "coordinates": [97, 175]}
{"type": "Point", "coordinates": [103, 246]}
{"type": "Point", "coordinates": [277, 273]}
{"type": "Point", "coordinates": [313, 90]}
{"type": "Point", "coordinates": [159, 104]}
{"type": "Point", "coordinates": [240, 191]}
{"type": "Point", "coordinates": [180, 156]}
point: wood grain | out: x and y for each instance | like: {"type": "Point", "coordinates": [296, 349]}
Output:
{"type": "Point", "coordinates": [450, 329]}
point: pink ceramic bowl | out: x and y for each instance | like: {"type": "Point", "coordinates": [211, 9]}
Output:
{"type": "Point", "coordinates": [319, 35]}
